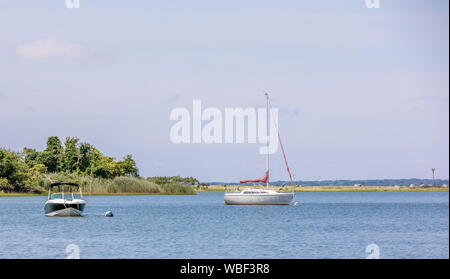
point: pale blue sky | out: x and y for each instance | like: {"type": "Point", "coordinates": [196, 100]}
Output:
{"type": "Point", "coordinates": [363, 93]}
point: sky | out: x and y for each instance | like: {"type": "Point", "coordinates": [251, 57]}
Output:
{"type": "Point", "coordinates": [362, 93]}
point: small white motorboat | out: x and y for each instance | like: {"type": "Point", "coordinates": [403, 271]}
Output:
{"type": "Point", "coordinates": [66, 201]}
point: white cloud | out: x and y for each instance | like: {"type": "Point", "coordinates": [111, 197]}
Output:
{"type": "Point", "coordinates": [47, 48]}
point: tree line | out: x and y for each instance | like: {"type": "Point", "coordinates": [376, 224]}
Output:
{"type": "Point", "coordinates": [19, 171]}
{"type": "Point", "coordinates": [81, 162]}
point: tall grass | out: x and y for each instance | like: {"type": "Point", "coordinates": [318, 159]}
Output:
{"type": "Point", "coordinates": [121, 184]}
{"type": "Point", "coordinates": [177, 188]}
{"type": "Point", "coordinates": [125, 184]}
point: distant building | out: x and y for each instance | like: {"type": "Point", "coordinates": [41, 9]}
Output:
{"type": "Point", "coordinates": [445, 185]}
{"type": "Point", "coordinates": [412, 185]}
{"type": "Point", "coordinates": [357, 185]}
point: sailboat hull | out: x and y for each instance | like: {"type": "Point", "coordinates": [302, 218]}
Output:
{"type": "Point", "coordinates": [258, 199]}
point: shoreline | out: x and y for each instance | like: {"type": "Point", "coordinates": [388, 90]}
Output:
{"type": "Point", "coordinates": [93, 194]}
{"type": "Point", "coordinates": [303, 189]}
{"type": "Point", "coordinates": [224, 189]}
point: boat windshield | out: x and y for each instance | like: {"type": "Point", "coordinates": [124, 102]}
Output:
{"type": "Point", "coordinates": [67, 196]}
{"type": "Point", "coordinates": [67, 192]}
{"type": "Point", "coordinates": [56, 196]}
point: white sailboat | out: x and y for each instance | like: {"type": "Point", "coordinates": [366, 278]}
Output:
{"type": "Point", "coordinates": [254, 196]}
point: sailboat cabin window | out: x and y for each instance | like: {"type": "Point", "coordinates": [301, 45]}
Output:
{"type": "Point", "coordinates": [253, 192]}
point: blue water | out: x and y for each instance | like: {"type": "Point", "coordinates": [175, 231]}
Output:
{"type": "Point", "coordinates": [324, 225]}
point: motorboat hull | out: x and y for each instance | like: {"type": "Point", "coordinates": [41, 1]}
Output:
{"type": "Point", "coordinates": [258, 199]}
{"type": "Point", "coordinates": [66, 212]}
{"type": "Point", "coordinates": [64, 209]}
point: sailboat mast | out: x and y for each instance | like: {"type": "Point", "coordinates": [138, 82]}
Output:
{"type": "Point", "coordinates": [267, 143]}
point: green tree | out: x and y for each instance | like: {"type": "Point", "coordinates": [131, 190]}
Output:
{"type": "Point", "coordinates": [86, 156]}
{"type": "Point", "coordinates": [71, 155]}
{"type": "Point", "coordinates": [23, 171]}
{"type": "Point", "coordinates": [37, 169]}
{"type": "Point", "coordinates": [128, 166]}
{"type": "Point", "coordinates": [14, 170]}
{"type": "Point", "coordinates": [51, 157]}
{"type": "Point", "coordinates": [30, 156]}
{"type": "Point", "coordinates": [5, 186]}
{"type": "Point", "coordinates": [106, 168]}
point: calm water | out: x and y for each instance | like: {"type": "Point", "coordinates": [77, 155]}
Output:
{"type": "Point", "coordinates": [324, 225]}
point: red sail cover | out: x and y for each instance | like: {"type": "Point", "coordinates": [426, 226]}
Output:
{"type": "Point", "coordinates": [263, 179]}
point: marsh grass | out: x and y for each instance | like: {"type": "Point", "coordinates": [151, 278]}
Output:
{"type": "Point", "coordinates": [177, 188]}
{"type": "Point", "coordinates": [118, 185]}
